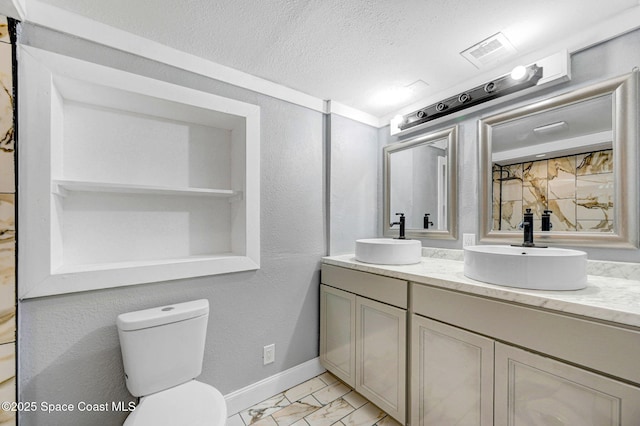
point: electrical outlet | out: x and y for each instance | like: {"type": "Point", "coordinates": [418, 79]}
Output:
{"type": "Point", "coordinates": [269, 353]}
{"type": "Point", "coordinates": [468, 240]}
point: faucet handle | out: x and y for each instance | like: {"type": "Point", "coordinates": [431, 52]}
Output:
{"type": "Point", "coordinates": [401, 219]}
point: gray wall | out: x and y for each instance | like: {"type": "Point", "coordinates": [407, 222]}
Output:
{"type": "Point", "coordinates": [354, 186]}
{"type": "Point", "coordinates": [600, 62]}
{"type": "Point", "coordinates": [69, 348]}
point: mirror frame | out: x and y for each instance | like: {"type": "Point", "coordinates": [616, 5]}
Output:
{"type": "Point", "coordinates": [451, 233]}
{"type": "Point", "coordinates": [624, 92]}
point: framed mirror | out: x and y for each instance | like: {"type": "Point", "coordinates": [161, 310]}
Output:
{"type": "Point", "coordinates": [420, 181]}
{"type": "Point", "coordinates": [572, 160]}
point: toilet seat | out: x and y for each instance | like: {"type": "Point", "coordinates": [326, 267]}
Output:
{"type": "Point", "coordinates": [192, 403]}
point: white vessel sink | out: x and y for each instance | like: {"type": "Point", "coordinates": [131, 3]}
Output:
{"type": "Point", "coordinates": [527, 267]}
{"type": "Point", "coordinates": [388, 251]}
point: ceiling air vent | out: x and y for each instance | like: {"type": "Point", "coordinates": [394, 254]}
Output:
{"type": "Point", "coordinates": [489, 51]}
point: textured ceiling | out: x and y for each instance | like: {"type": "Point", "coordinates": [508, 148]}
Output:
{"type": "Point", "coordinates": [348, 50]}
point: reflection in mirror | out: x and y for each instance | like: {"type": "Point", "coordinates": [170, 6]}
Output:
{"type": "Point", "coordinates": [413, 180]}
{"type": "Point", "coordinates": [571, 160]}
{"type": "Point", "coordinates": [420, 181]}
{"type": "Point", "coordinates": [559, 161]}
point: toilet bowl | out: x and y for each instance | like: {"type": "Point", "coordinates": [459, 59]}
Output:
{"type": "Point", "coordinates": [162, 352]}
{"type": "Point", "coordinates": [192, 403]}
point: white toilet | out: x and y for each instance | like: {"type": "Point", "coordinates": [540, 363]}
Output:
{"type": "Point", "coordinates": [162, 352]}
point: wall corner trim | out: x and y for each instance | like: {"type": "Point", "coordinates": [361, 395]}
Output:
{"type": "Point", "coordinates": [248, 396]}
{"type": "Point", "coordinates": [334, 107]}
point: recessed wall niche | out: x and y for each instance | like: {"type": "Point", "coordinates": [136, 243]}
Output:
{"type": "Point", "coordinates": [127, 180]}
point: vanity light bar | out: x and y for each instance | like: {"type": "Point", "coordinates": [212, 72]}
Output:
{"type": "Point", "coordinates": [493, 89]}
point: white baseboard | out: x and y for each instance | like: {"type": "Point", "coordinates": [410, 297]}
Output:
{"type": "Point", "coordinates": [248, 396]}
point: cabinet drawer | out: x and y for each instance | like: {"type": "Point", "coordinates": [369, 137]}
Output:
{"type": "Point", "coordinates": [602, 347]}
{"type": "Point", "coordinates": [384, 289]}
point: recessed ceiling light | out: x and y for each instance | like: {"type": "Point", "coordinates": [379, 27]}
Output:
{"type": "Point", "coordinates": [541, 155]}
{"type": "Point", "coordinates": [392, 95]}
{"type": "Point", "coordinates": [553, 127]}
{"type": "Point", "coordinates": [396, 95]}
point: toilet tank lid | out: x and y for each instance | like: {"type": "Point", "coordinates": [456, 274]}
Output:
{"type": "Point", "coordinates": [162, 315]}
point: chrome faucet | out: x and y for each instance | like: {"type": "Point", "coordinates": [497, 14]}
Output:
{"type": "Point", "coordinates": [401, 223]}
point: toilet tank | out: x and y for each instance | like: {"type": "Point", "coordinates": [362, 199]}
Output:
{"type": "Point", "coordinates": [163, 347]}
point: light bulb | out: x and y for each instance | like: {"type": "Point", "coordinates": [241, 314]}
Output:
{"type": "Point", "coordinates": [519, 72]}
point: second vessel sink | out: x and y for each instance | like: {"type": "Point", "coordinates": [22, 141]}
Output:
{"type": "Point", "coordinates": [527, 267]}
{"type": "Point", "coordinates": [388, 251]}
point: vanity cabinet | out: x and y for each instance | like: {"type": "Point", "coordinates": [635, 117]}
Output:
{"type": "Point", "coordinates": [381, 355]}
{"type": "Point", "coordinates": [534, 390]}
{"type": "Point", "coordinates": [451, 375]}
{"type": "Point", "coordinates": [474, 360]}
{"type": "Point", "coordinates": [455, 374]}
{"type": "Point", "coordinates": [338, 333]}
{"type": "Point", "coordinates": [363, 335]}
{"type": "Point", "coordinates": [467, 370]}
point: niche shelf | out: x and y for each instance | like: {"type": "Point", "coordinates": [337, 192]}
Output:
{"type": "Point", "coordinates": [63, 187]}
{"type": "Point", "coordinates": [129, 180]}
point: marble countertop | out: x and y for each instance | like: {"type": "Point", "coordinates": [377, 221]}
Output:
{"type": "Point", "coordinates": [605, 298]}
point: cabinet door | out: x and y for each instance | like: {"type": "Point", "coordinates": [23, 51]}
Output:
{"type": "Point", "coordinates": [381, 355]}
{"type": "Point", "coordinates": [534, 390]}
{"type": "Point", "coordinates": [451, 375]}
{"type": "Point", "coordinates": [337, 333]}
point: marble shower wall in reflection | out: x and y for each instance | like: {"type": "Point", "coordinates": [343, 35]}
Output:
{"type": "Point", "coordinates": [7, 230]}
{"type": "Point", "coordinates": [578, 189]}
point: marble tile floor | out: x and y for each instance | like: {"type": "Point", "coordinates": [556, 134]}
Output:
{"type": "Point", "coordinates": [321, 401]}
